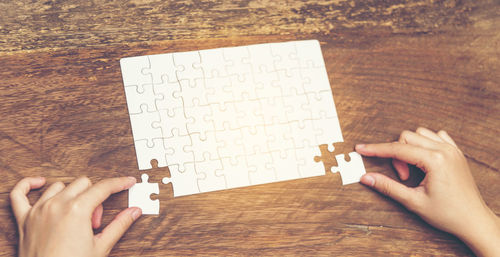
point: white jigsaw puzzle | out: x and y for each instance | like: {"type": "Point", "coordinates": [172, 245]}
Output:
{"type": "Point", "coordinates": [233, 117]}
{"type": "Point", "coordinates": [139, 195]}
{"type": "Point", "coordinates": [350, 171]}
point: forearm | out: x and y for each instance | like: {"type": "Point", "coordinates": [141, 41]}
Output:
{"type": "Point", "coordinates": [484, 237]}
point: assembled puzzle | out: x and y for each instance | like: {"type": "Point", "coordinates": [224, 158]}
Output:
{"type": "Point", "coordinates": [232, 117]}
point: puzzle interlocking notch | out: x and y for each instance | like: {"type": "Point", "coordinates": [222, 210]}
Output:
{"type": "Point", "coordinates": [232, 117]}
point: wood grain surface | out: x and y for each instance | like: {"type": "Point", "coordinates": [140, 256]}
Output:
{"type": "Point", "coordinates": [392, 65]}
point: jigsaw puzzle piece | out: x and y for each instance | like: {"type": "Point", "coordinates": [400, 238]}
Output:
{"type": "Point", "coordinates": [139, 195]}
{"type": "Point", "coordinates": [242, 90]}
{"type": "Point", "coordinates": [220, 90]}
{"type": "Point", "coordinates": [297, 108]}
{"type": "Point", "coordinates": [261, 59]}
{"type": "Point", "coordinates": [287, 57]}
{"type": "Point", "coordinates": [145, 153]}
{"type": "Point", "coordinates": [133, 71]}
{"type": "Point", "coordinates": [188, 66]}
{"type": "Point", "coordinates": [177, 121]}
{"type": "Point", "coordinates": [210, 176]}
{"type": "Point", "coordinates": [285, 165]}
{"type": "Point", "coordinates": [235, 172]}
{"type": "Point", "coordinates": [231, 143]}
{"type": "Point", "coordinates": [138, 96]}
{"type": "Point", "coordinates": [178, 149]}
{"type": "Point", "coordinates": [307, 166]}
{"type": "Point", "coordinates": [162, 68]}
{"type": "Point", "coordinates": [303, 135]}
{"type": "Point", "coordinates": [291, 84]}
{"type": "Point", "coordinates": [273, 110]}
{"type": "Point", "coordinates": [267, 86]}
{"type": "Point", "coordinates": [224, 115]}
{"type": "Point", "coordinates": [236, 62]}
{"type": "Point", "coordinates": [251, 114]}
{"type": "Point", "coordinates": [315, 80]}
{"type": "Point", "coordinates": [260, 168]}
{"type": "Point", "coordinates": [213, 63]}
{"type": "Point", "coordinates": [193, 93]}
{"type": "Point", "coordinates": [328, 131]}
{"type": "Point", "coordinates": [278, 137]}
{"type": "Point", "coordinates": [207, 148]}
{"type": "Point", "coordinates": [255, 139]}
{"type": "Point", "coordinates": [185, 181]}
{"type": "Point", "coordinates": [322, 105]}
{"type": "Point", "coordinates": [202, 123]}
{"type": "Point", "coordinates": [165, 99]}
{"type": "Point", "coordinates": [352, 171]}
{"type": "Point", "coordinates": [142, 125]}
{"type": "Point", "coordinates": [309, 54]}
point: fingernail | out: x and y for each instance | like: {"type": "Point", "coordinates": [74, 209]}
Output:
{"type": "Point", "coordinates": [136, 213]}
{"type": "Point", "coordinates": [368, 180]}
{"type": "Point", "coordinates": [360, 146]}
{"type": "Point", "coordinates": [132, 179]}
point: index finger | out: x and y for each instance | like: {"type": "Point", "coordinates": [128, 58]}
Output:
{"type": "Point", "coordinates": [96, 194]}
{"type": "Point", "coordinates": [408, 153]}
{"type": "Point", "coordinates": [18, 196]}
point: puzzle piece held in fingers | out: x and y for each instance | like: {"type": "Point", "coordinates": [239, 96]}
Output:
{"type": "Point", "coordinates": [139, 195]}
{"type": "Point", "coordinates": [350, 171]}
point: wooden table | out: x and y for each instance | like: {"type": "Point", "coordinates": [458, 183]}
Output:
{"type": "Point", "coordinates": [392, 66]}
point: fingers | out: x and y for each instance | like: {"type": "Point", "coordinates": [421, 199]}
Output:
{"type": "Point", "coordinates": [395, 190]}
{"type": "Point", "coordinates": [97, 217]}
{"type": "Point", "coordinates": [412, 138]}
{"type": "Point", "coordinates": [402, 169]}
{"type": "Point", "coordinates": [442, 134]}
{"type": "Point", "coordinates": [408, 153]}
{"type": "Point", "coordinates": [51, 191]}
{"type": "Point", "coordinates": [18, 196]}
{"type": "Point", "coordinates": [114, 231]}
{"type": "Point", "coordinates": [429, 134]}
{"type": "Point", "coordinates": [96, 194]}
{"type": "Point", "coordinates": [76, 187]}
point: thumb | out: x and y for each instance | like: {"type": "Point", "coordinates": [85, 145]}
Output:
{"type": "Point", "coordinates": [115, 230]}
{"type": "Point", "coordinates": [391, 188]}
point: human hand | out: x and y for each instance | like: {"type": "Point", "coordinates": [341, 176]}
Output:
{"type": "Point", "coordinates": [447, 197]}
{"type": "Point", "coordinates": [60, 223]}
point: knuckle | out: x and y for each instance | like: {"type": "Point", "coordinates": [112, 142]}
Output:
{"type": "Point", "coordinates": [17, 190]}
{"type": "Point", "coordinates": [404, 135]}
{"type": "Point", "coordinates": [51, 207]}
{"type": "Point", "coordinates": [420, 130]}
{"type": "Point", "coordinates": [394, 145]}
{"type": "Point", "coordinates": [395, 148]}
{"type": "Point", "coordinates": [449, 149]}
{"type": "Point", "coordinates": [438, 156]}
{"type": "Point", "coordinates": [86, 180]}
{"type": "Point", "coordinates": [75, 206]}
{"type": "Point", "coordinates": [13, 195]}
{"type": "Point", "coordinates": [58, 184]}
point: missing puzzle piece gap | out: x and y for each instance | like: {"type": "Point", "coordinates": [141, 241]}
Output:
{"type": "Point", "coordinates": [139, 195]}
{"type": "Point", "coordinates": [350, 171]}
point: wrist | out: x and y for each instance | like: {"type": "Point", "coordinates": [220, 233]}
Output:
{"type": "Point", "coordinates": [483, 236]}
